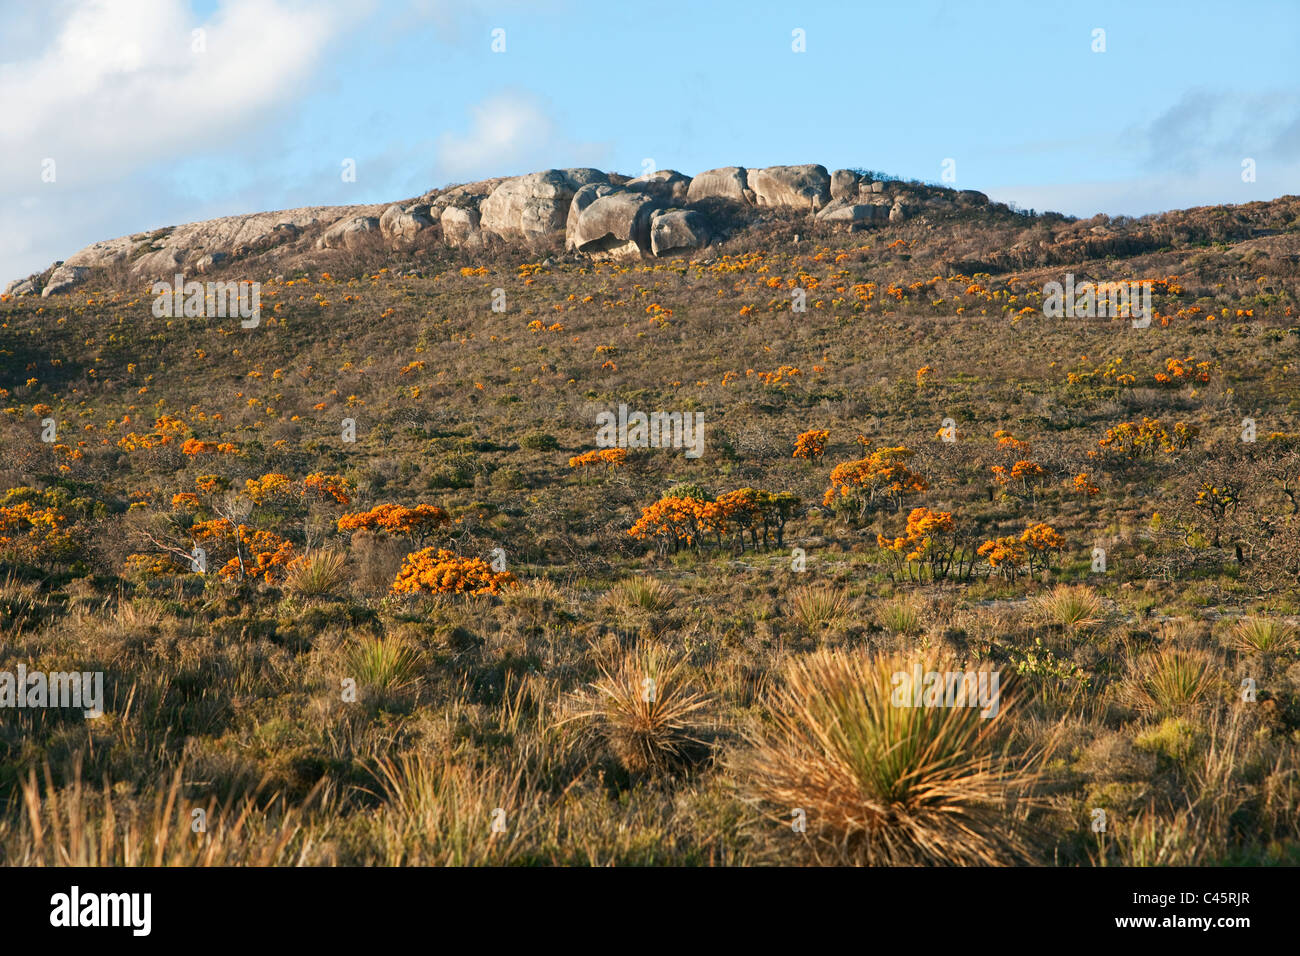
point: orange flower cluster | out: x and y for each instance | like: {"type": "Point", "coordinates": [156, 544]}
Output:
{"type": "Point", "coordinates": [1133, 440]}
{"type": "Point", "coordinates": [1007, 440]}
{"type": "Point", "coordinates": [811, 445]}
{"type": "Point", "coordinates": [438, 571]}
{"type": "Point", "coordinates": [883, 473]}
{"type": "Point", "coordinates": [1021, 471]}
{"type": "Point", "coordinates": [272, 486]}
{"type": "Point", "coordinates": [781, 376]}
{"type": "Point", "coordinates": [611, 458]}
{"type": "Point", "coordinates": [1031, 550]}
{"type": "Point", "coordinates": [680, 521]}
{"type": "Point", "coordinates": [334, 488]}
{"type": "Point", "coordinates": [268, 556]}
{"type": "Point", "coordinates": [923, 525]}
{"type": "Point", "coordinates": [1184, 370]}
{"type": "Point", "coordinates": [922, 373]}
{"type": "Point", "coordinates": [396, 519]}
{"type": "Point", "coordinates": [1083, 483]}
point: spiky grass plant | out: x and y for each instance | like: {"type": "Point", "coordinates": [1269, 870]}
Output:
{"type": "Point", "coordinates": [882, 784]}
{"type": "Point", "coordinates": [318, 574]}
{"type": "Point", "coordinates": [817, 607]}
{"type": "Point", "coordinates": [642, 708]}
{"type": "Point", "coordinates": [901, 615]}
{"type": "Point", "coordinates": [440, 813]}
{"type": "Point", "coordinates": [1264, 634]}
{"type": "Point", "coordinates": [385, 664]}
{"type": "Point", "coordinates": [1074, 607]}
{"type": "Point", "coordinates": [642, 594]}
{"type": "Point", "coordinates": [1171, 681]}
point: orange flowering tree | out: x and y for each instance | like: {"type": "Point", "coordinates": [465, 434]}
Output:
{"type": "Point", "coordinates": [607, 458]}
{"type": "Point", "coordinates": [685, 517]}
{"type": "Point", "coordinates": [882, 475]}
{"type": "Point", "coordinates": [758, 513]}
{"type": "Point", "coordinates": [1134, 440]}
{"type": "Point", "coordinates": [244, 552]}
{"type": "Point", "coordinates": [439, 571]}
{"type": "Point", "coordinates": [673, 522]}
{"type": "Point", "coordinates": [418, 522]}
{"type": "Point", "coordinates": [1031, 551]}
{"type": "Point", "coordinates": [928, 541]}
{"type": "Point", "coordinates": [811, 445]}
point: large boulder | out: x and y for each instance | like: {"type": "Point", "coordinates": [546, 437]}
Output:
{"type": "Point", "coordinates": [460, 225]}
{"type": "Point", "coordinates": [725, 182]}
{"type": "Point", "coordinates": [583, 198]}
{"type": "Point", "coordinates": [400, 227]}
{"type": "Point", "coordinates": [21, 286]}
{"type": "Point", "coordinates": [677, 230]}
{"type": "Point", "coordinates": [614, 226]}
{"type": "Point", "coordinates": [64, 279]}
{"type": "Point", "coordinates": [796, 187]}
{"type": "Point", "coordinates": [844, 184]}
{"type": "Point", "coordinates": [666, 185]}
{"type": "Point", "coordinates": [843, 211]}
{"type": "Point", "coordinates": [535, 207]}
{"type": "Point", "coordinates": [348, 233]}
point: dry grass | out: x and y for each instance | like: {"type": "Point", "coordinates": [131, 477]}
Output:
{"type": "Point", "coordinates": [644, 710]}
{"type": "Point", "coordinates": [819, 607]}
{"type": "Point", "coordinates": [883, 784]}
{"type": "Point", "coordinates": [1073, 607]}
{"type": "Point", "coordinates": [1172, 681]}
{"type": "Point", "coordinates": [1263, 634]}
{"type": "Point", "coordinates": [318, 574]}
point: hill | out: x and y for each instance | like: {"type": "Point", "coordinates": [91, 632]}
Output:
{"type": "Point", "coordinates": [441, 619]}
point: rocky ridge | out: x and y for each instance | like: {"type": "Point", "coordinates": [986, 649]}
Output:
{"type": "Point", "coordinates": [591, 213]}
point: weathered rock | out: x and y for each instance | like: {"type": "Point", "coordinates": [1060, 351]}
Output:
{"type": "Point", "coordinates": [614, 226]}
{"type": "Point", "coordinates": [401, 227]}
{"type": "Point", "coordinates": [348, 233]}
{"type": "Point", "coordinates": [844, 184]}
{"type": "Point", "coordinates": [899, 212]}
{"type": "Point", "coordinates": [460, 225]}
{"type": "Point", "coordinates": [842, 211]}
{"type": "Point", "coordinates": [725, 182]}
{"type": "Point", "coordinates": [677, 230]}
{"type": "Point", "coordinates": [21, 286]}
{"type": "Point", "coordinates": [666, 185]}
{"type": "Point", "coordinates": [583, 198]}
{"type": "Point", "coordinates": [535, 207]}
{"type": "Point", "coordinates": [206, 263]}
{"type": "Point", "coordinates": [878, 187]}
{"type": "Point", "coordinates": [64, 279]}
{"type": "Point", "coordinates": [972, 197]}
{"type": "Point", "coordinates": [796, 187]}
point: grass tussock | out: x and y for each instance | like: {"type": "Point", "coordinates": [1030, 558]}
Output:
{"type": "Point", "coordinates": [882, 784]}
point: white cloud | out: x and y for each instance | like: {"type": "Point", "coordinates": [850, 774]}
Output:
{"type": "Point", "coordinates": [119, 88]}
{"type": "Point", "coordinates": [510, 131]}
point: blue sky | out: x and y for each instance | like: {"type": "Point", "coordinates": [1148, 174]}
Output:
{"type": "Point", "coordinates": [146, 132]}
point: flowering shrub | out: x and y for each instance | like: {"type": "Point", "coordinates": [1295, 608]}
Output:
{"type": "Point", "coordinates": [811, 445]}
{"type": "Point", "coordinates": [610, 458]}
{"type": "Point", "coordinates": [929, 540]}
{"type": "Point", "coordinates": [1031, 551]}
{"type": "Point", "coordinates": [333, 488]}
{"type": "Point", "coordinates": [882, 474]}
{"type": "Point", "coordinates": [438, 571]}
{"type": "Point", "coordinates": [416, 522]}
{"type": "Point", "coordinates": [1133, 440]}
{"type": "Point", "coordinates": [685, 517]}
